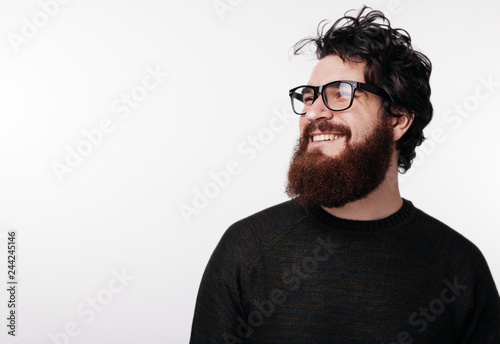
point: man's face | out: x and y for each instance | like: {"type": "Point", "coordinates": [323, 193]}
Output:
{"type": "Point", "coordinates": [335, 172]}
{"type": "Point", "coordinates": [360, 119]}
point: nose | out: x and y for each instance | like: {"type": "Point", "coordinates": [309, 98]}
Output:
{"type": "Point", "coordinates": [318, 110]}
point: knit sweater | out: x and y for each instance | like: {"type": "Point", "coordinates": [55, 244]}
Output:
{"type": "Point", "coordinates": [289, 274]}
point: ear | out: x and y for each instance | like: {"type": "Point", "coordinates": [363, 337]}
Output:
{"type": "Point", "coordinates": [401, 124]}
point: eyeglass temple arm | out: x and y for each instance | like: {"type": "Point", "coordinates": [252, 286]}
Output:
{"type": "Point", "coordinates": [372, 89]}
{"type": "Point", "coordinates": [295, 95]}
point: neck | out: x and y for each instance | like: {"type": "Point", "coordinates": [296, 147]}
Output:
{"type": "Point", "coordinates": [382, 202]}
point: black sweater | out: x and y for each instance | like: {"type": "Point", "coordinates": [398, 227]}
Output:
{"type": "Point", "coordinates": [288, 274]}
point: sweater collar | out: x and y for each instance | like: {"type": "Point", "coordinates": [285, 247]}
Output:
{"type": "Point", "coordinates": [395, 220]}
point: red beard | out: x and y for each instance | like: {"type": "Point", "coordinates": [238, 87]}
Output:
{"type": "Point", "coordinates": [317, 179]}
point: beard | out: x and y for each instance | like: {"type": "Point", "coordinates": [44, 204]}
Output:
{"type": "Point", "coordinates": [318, 179]}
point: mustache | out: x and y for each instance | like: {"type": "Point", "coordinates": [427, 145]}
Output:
{"type": "Point", "coordinates": [325, 126]}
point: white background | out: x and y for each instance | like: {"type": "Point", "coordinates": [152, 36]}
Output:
{"type": "Point", "coordinates": [119, 208]}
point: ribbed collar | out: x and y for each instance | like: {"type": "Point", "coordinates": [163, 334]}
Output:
{"type": "Point", "coordinates": [397, 219]}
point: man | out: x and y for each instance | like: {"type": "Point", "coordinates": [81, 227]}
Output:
{"type": "Point", "coordinates": [347, 260]}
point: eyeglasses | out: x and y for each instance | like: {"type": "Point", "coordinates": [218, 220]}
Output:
{"type": "Point", "coordinates": [337, 95]}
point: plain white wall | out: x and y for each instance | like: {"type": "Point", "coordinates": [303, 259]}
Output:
{"type": "Point", "coordinates": [194, 73]}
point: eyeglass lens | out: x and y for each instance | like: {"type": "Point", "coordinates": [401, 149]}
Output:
{"type": "Point", "coordinates": [338, 96]}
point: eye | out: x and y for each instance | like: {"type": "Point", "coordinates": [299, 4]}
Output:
{"type": "Point", "coordinates": [308, 100]}
{"type": "Point", "coordinates": [308, 97]}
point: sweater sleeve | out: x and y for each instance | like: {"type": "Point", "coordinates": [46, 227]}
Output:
{"type": "Point", "coordinates": [482, 324]}
{"type": "Point", "coordinates": [218, 310]}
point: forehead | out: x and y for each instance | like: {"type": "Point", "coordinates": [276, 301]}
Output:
{"type": "Point", "coordinates": [332, 68]}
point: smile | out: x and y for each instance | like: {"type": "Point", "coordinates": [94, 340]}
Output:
{"type": "Point", "coordinates": [325, 137]}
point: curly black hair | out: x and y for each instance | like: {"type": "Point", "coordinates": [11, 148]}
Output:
{"type": "Point", "coordinates": [391, 63]}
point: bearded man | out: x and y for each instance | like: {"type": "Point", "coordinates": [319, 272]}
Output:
{"type": "Point", "coordinates": [347, 259]}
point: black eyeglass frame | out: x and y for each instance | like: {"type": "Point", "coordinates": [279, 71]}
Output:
{"type": "Point", "coordinates": [354, 86]}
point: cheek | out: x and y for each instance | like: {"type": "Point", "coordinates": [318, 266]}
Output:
{"type": "Point", "coordinates": [361, 122]}
{"type": "Point", "coordinates": [361, 132]}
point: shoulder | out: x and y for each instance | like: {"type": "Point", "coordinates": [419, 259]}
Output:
{"type": "Point", "coordinates": [265, 224]}
{"type": "Point", "coordinates": [447, 244]}
{"type": "Point", "coordinates": [469, 270]}
{"type": "Point", "coordinates": [246, 238]}
{"type": "Point", "coordinates": [274, 217]}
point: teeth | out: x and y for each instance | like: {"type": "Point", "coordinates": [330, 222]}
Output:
{"type": "Point", "coordinates": [323, 137]}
